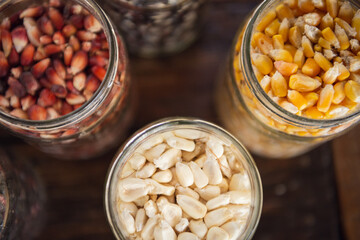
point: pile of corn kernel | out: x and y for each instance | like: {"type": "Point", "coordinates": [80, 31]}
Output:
{"type": "Point", "coordinates": [306, 56]}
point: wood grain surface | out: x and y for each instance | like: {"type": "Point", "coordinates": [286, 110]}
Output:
{"type": "Point", "coordinates": [302, 197]}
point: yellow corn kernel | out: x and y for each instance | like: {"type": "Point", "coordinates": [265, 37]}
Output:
{"type": "Point", "coordinates": [317, 48]}
{"type": "Point", "coordinates": [354, 64]}
{"type": "Point", "coordinates": [324, 43]}
{"type": "Point", "coordinates": [291, 3]}
{"type": "Point", "coordinates": [284, 29]}
{"type": "Point", "coordinates": [263, 42]}
{"type": "Point", "coordinates": [262, 62]}
{"type": "Point", "coordinates": [311, 99]}
{"type": "Point", "coordinates": [281, 55]}
{"type": "Point", "coordinates": [322, 61]}
{"type": "Point", "coordinates": [325, 98]}
{"type": "Point", "coordinates": [338, 59]}
{"type": "Point", "coordinates": [297, 99]}
{"type": "Point", "coordinates": [346, 12]}
{"type": "Point", "coordinates": [311, 68]}
{"type": "Point", "coordinates": [331, 75]}
{"type": "Point", "coordinates": [352, 91]}
{"type": "Point", "coordinates": [307, 47]}
{"type": "Point", "coordinates": [336, 111]}
{"type": "Point", "coordinates": [265, 83]}
{"type": "Point", "coordinates": [320, 4]}
{"type": "Point", "coordinates": [278, 41]}
{"type": "Point", "coordinates": [342, 36]}
{"type": "Point", "coordinates": [355, 23]}
{"type": "Point", "coordinates": [306, 5]}
{"type": "Point", "coordinates": [346, 26]}
{"type": "Point", "coordinates": [303, 83]}
{"type": "Point", "coordinates": [339, 92]}
{"type": "Point", "coordinates": [332, 7]}
{"type": "Point", "coordinates": [290, 48]}
{"type": "Point", "coordinates": [278, 85]}
{"type": "Point", "coordinates": [272, 28]}
{"type": "Point", "coordinates": [349, 104]}
{"type": "Point", "coordinates": [314, 113]}
{"type": "Point", "coordinates": [299, 57]}
{"type": "Point", "coordinates": [289, 107]}
{"type": "Point", "coordinates": [329, 35]}
{"type": "Point", "coordinates": [344, 72]}
{"type": "Point", "coordinates": [295, 36]}
{"type": "Point", "coordinates": [285, 68]}
{"type": "Point", "coordinates": [312, 19]}
{"type": "Point", "coordinates": [266, 20]}
{"type": "Point", "coordinates": [283, 12]}
{"type": "Point", "coordinates": [327, 21]}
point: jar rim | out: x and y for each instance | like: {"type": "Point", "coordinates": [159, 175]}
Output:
{"type": "Point", "coordinates": [167, 124]}
{"type": "Point", "coordinates": [255, 87]}
{"type": "Point", "coordinates": [103, 90]}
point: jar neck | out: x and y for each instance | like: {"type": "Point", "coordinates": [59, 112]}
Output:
{"type": "Point", "coordinates": [246, 67]}
{"type": "Point", "coordinates": [116, 54]}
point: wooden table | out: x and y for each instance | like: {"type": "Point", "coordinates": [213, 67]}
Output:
{"type": "Point", "coordinates": [314, 196]}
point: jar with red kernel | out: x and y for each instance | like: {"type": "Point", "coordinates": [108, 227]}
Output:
{"type": "Point", "coordinates": [293, 76]}
{"type": "Point", "coordinates": [64, 84]}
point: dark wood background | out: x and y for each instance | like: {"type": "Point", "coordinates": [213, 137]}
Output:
{"type": "Point", "coordinates": [314, 196]}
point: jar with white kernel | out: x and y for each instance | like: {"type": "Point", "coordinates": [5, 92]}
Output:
{"type": "Point", "coordinates": [183, 178]}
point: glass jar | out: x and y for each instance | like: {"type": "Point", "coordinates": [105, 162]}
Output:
{"type": "Point", "coordinates": [247, 111]}
{"type": "Point", "coordinates": [139, 142]}
{"type": "Point", "coordinates": [157, 28]}
{"type": "Point", "coordinates": [22, 199]}
{"type": "Point", "coordinates": [101, 121]}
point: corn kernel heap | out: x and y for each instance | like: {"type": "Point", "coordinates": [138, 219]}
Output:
{"type": "Point", "coordinates": [306, 56]}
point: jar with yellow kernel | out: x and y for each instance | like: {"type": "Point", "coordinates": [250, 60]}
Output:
{"type": "Point", "coordinates": [293, 80]}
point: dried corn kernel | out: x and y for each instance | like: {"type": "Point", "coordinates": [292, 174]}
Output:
{"type": "Point", "coordinates": [344, 72]}
{"type": "Point", "coordinates": [281, 55]}
{"type": "Point", "coordinates": [295, 36]}
{"type": "Point", "coordinates": [313, 33]}
{"type": "Point", "coordinates": [319, 4]}
{"type": "Point", "coordinates": [352, 91]}
{"type": "Point", "coordinates": [283, 11]}
{"type": "Point", "coordinates": [314, 113]}
{"type": "Point", "coordinates": [289, 107]}
{"type": "Point", "coordinates": [343, 38]}
{"type": "Point", "coordinates": [303, 83]}
{"type": "Point", "coordinates": [354, 64]}
{"type": "Point", "coordinates": [311, 68]}
{"type": "Point", "coordinates": [290, 48]}
{"type": "Point", "coordinates": [331, 75]}
{"type": "Point", "coordinates": [317, 48]}
{"type": "Point", "coordinates": [339, 92]}
{"type": "Point", "coordinates": [265, 21]}
{"type": "Point", "coordinates": [299, 57]}
{"type": "Point", "coordinates": [265, 83]}
{"type": "Point", "coordinates": [355, 23]}
{"type": "Point", "coordinates": [349, 104]}
{"type": "Point", "coordinates": [346, 12]}
{"type": "Point", "coordinates": [262, 62]}
{"type": "Point", "coordinates": [311, 99]}
{"type": "Point", "coordinates": [285, 68]}
{"type": "Point", "coordinates": [327, 22]}
{"type": "Point", "coordinates": [325, 98]}
{"type": "Point", "coordinates": [329, 35]}
{"type": "Point", "coordinates": [312, 19]}
{"type": "Point", "coordinates": [346, 26]}
{"type": "Point", "coordinates": [263, 42]}
{"type": "Point", "coordinates": [284, 29]}
{"type": "Point", "coordinates": [332, 7]}
{"type": "Point", "coordinates": [307, 47]}
{"type": "Point", "coordinates": [336, 111]}
{"type": "Point", "coordinates": [306, 5]}
{"type": "Point", "coordinates": [324, 43]}
{"type": "Point", "coordinates": [322, 61]}
{"type": "Point", "coordinates": [297, 99]}
{"type": "Point", "coordinates": [279, 85]}
{"type": "Point", "coordinates": [272, 28]}
{"type": "Point", "coordinates": [278, 41]}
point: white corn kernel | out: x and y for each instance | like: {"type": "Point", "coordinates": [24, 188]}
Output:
{"type": "Point", "coordinates": [140, 220]}
{"type": "Point", "coordinates": [129, 207]}
{"type": "Point", "coordinates": [198, 227]}
{"type": "Point", "coordinates": [137, 161]}
{"type": "Point", "coordinates": [181, 143]}
{"type": "Point", "coordinates": [234, 229]}
{"type": "Point", "coordinates": [200, 178]}
{"type": "Point", "coordinates": [217, 217]}
{"type": "Point", "coordinates": [168, 159]}
{"type": "Point", "coordinates": [148, 229]}
{"type": "Point", "coordinates": [189, 134]}
{"type": "Point", "coordinates": [128, 222]}
{"type": "Point", "coordinates": [200, 160]}
{"type": "Point", "coordinates": [163, 231]}
{"type": "Point", "coordinates": [147, 171]}
{"type": "Point", "coordinates": [130, 189]}
{"type": "Point", "coordinates": [239, 197]}
{"type": "Point", "coordinates": [182, 225]}
{"type": "Point", "coordinates": [216, 233]}
{"type": "Point", "coordinates": [157, 188]}
{"type": "Point", "coordinates": [127, 170]}
{"type": "Point", "coordinates": [150, 208]}
{"type": "Point", "coordinates": [155, 152]}
{"type": "Point", "coordinates": [172, 214]}
{"type": "Point", "coordinates": [212, 170]}
{"type": "Point", "coordinates": [187, 191]}
{"type": "Point", "coordinates": [191, 206]}
{"type": "Point", "coordinates": [215, 146]}
{"type": "Point", "coordinates": [184, 174]}
{"type": "Point", "coordinates": [224, 186]}
{"type": "Point", "coordinates": [161, 202]}
{"type": "Point", "coordinates": [164, 176]}
{"type": "Point", "coordinates": [149, 143]}
{"type": "Point", "coordinates": [224, 166]}
{"type": "Point", "coordinates": [218, 201]}
{"type": "Point", "coordinates": [187, 236]}
{"type": "Point", "coordinates": [239, 182]}
{"type": "Point", "coordinates": [208, 192]}
{"type": "Point", "coordinates": [188, 156]}
{"type": "Point", "coordinates": [140, 202]}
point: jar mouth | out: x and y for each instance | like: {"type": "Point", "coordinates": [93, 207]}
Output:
{"type": "Point", "coordinates": [104, 89]}
{"type": "Point", "coordinates": [257, 90]}
{"type": "Point", "coordinates": [149, 7]}
{"type": "Point", "coordinates": [168, 124]}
